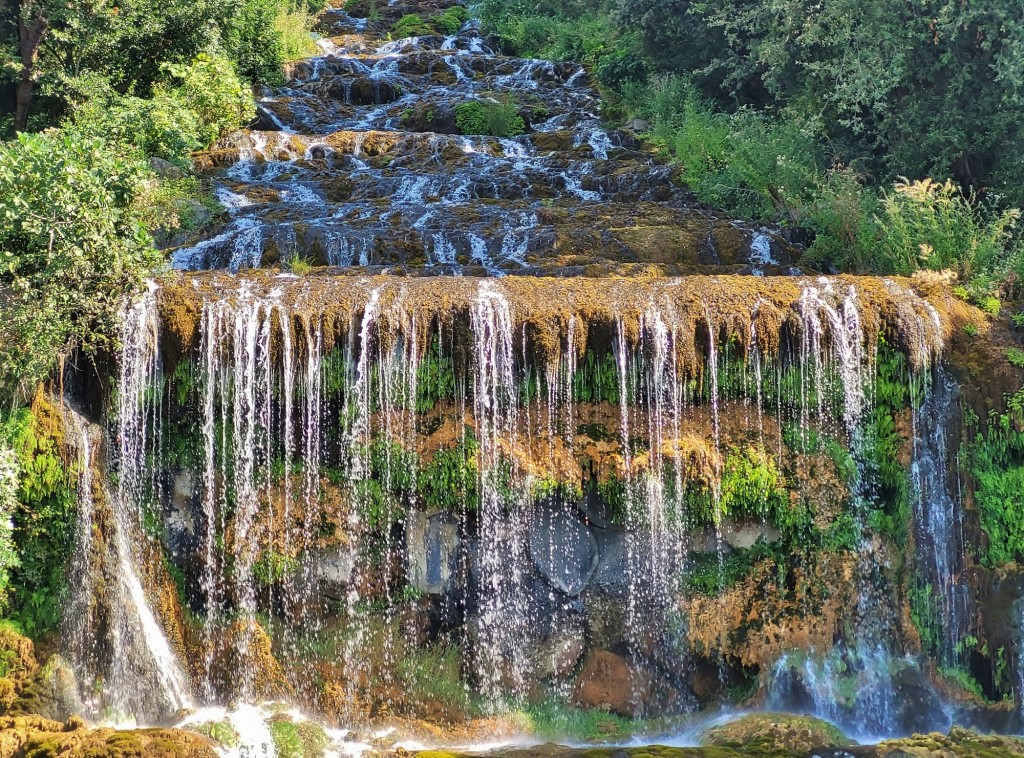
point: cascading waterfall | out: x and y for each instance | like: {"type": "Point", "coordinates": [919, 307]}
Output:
{"type": "Point", "coordinates": [124, 662]}
{"type": "Point", "coordinates": [312, 422]}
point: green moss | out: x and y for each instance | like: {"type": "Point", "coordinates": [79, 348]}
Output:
{"type": "Point", "coordinates": [219, 731]}
{"type": "Point", "coordinates": [410, 25]}
{"type": "Point", "coordinates": [304, 739]}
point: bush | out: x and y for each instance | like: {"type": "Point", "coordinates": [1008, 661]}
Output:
{"type": "Point", "coordinates": [72, 245]}
{"type": "Point", "coordinates": [410, 25]}
{"type": "Point", "coordinates": [451, 19]}
{"type": "Point", "coordinates": [498, 119]}
{"type": "Point", "coordinates": [931, 225]}
{"type": "Point", "coordinates": [191, 107]}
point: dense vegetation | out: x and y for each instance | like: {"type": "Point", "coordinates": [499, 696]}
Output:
{"type": "Point", "coordinates": [93, 90]}
{"type": "Point", "coordinates": [105, 103]}
{"type": "Point", "coordinates": [883, 135]}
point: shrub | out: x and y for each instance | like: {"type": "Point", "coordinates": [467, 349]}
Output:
{"type": "Point", "coordinates": [71, 246]}
{"type": "Point", "coordinates": [451, 19]}
{"type": "Point", "coordinates": [191, 107]}
{"type": "Point", "coordinates": [410, 25]}
{"type": "Point", "coordinates": [294, 26]}
{"type": "Point", "coordinates": [928, 224]}
{"type": "Point", "coordinates": [498, 119]}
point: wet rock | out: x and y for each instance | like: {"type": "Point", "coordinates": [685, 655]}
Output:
{"type": "Point", "coordinates": [331, 570]}
{"type": "Point", "coordinates": [919, 708]}
{"type": "Point", "coordinates": [38, 736]}
{"type": "Point", "coordinates": [608, 682]}
{"type": "Point", "coordinates": [612, 576]}
{"type": "Point", "coordinates": [555, 656]}
{"type": "Point", "coordinates": [741, 535]}
{"type": "Point", "coordinates": [776, 732]}
{"type": "Point", "coordinates": [165, 169]}
{"type": "Point", "coordinates": [563, 549]}
{"type": "Point", "coordinates": [432, 544]}
{"type": "Point", "coordinates": [243, 665]}
{"type": "Point", "coordinates": [606, 620]}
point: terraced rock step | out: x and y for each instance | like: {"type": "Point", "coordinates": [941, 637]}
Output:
{"type": "Point", "coordinates": [358, 162]}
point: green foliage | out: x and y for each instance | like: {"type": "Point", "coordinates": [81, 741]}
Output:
{"type": "Point", "coordinates": [72, 244]}
{"type": "Point", "coordinates": [435, 378]}
{"type": "Point", "coordinates": [302, 739]}
{"type": "Point", "coordinates": [498, 119]}
{"type": "Point", "coordinates": [752, 486]}
{"type": "Point", "coordinates": [410, 25]}
{"type": "Point", "coordinates": [381, 498]}
{"type": "Point", "coordinates": [1015, 356]}
{"type": "Point", "coordinates": [450, 481]}
{"type": "Point", "coordinates": [10, 477]}
{"type": "Point", "coordinates": [709, 575]}
{"type": "Point", "coordinates": [43, 522]}
{"type": "Point", "coordinates": [962, 678]}
{"type": "Point", "coordinates": [272, 567]}
{"type": "Point", "coordinates": [219, 731]}
{"type": "Point", "coordinates": [596, 379]}
{"type": "Point", "coordinates": [996, 458]}
{"type": "Point", "coordinates": [450, 20]}
{"type": "Point", "coordinates": [299, 265]}
{"type": "Point", "coordinates": [432, 679]}
{"type": "Point", "coordinates": [925, 614]}
{"type": "Point", "coordinates": [191, 106]}
{"type": "Point", "coordinates": [553, 720]}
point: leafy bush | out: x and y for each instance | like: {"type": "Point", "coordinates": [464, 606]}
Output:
{"type": "Point", "coordinates": [191, 107]}
{"type": "Point", "coordinates": [451, 19]}
{"type": "Point", "coordinates": [498, 119]}
{"type": "Point", "coordinates": [927, 224]}
{"type": "Point", "coordinates": [410, 25]}
{"type": "Point", "coordinates": [71, 246]}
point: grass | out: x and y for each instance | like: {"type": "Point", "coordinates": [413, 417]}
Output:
{"type": "Point", "coordinates": [553, 720]}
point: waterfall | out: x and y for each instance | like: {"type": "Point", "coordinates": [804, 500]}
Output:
{"type": "Point", "coordinates": [124, 662]}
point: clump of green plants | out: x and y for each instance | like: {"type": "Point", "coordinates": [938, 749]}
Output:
{"type": "Point", "coordinates": [996, 458]}
{"type": "Point", "coordinates": [219, 731]}
{"type": "Point", "coordinates": [496, 118]}
{"type": "Point", "coordinates": [302, 739]}
{"type": "Point", "coordinates": [410, 25]}
{"type": "Point", "coordinates": [191, 106]}
{"type": "Point", "coordinates": [33, 558]}
{"type": "Point", "coordinates": [432, 678]}
{"type": "Point", "coordinates": [300, 265]}
{"type": "Point", "coordinates": [450, 20]}
{"type": "Point", "coordinates": [272, 567]}
{"type": "Point", "coordinates": [451, 478]}
{"type": "Point", "coordinates": [554, 720]}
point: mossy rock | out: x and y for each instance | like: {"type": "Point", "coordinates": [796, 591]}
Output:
{"type": "Point", "coordinates": [298, 739]}
{"type": "Point", "coordinates": [776, 731]}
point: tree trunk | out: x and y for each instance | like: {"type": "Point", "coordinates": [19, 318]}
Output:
{"type": "Point", "coordinates": [32, 26]}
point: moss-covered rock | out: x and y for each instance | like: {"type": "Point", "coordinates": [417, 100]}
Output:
{"type": "Point", "coordinates": [776, 731]}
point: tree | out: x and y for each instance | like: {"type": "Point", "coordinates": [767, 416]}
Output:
{"type": "Point", "coordinates": [71, 248]}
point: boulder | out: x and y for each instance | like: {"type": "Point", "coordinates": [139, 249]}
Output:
{"type": "Point", "coordinates": [776, 732]}
{"type": "Point", "coordinates": [564, 551]}
{"type": "Point", "coordinates": [165, 169]}
{"type": "Point", "coordinates": [608, 682]}
{"type": "Point", "coordinates": [612, 576]}
{"type": "Point", "coordinates": [555, 656]}
{"type": "Point", "coordinates": [332, 572]}
{"type": "Point", "coordinates": [432, 543]}
{"type": "Point", "coordinates": [741, 535]}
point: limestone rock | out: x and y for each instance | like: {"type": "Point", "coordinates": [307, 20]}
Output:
{"type": "Point", "coordinates": [608, 682]}
{"type": "Point", "coordinates": [776, 732]}
{"type": "Point", "coordinates": [165, 169]}
{"type": "Point", "coordinates": [432, 543]}
{"type": "Point", "coordinates": [563, 549]}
